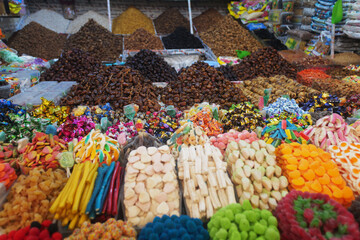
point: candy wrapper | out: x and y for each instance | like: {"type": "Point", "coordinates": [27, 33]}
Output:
{"type": "Point", "coordinates": [305, 216]}
{"type": "Point", "coordinates": [284, 104]}
{"type": "Point", "coordinates": [353, 67]}
{"type": "Point", "coordinates": [96, 112]}
{"type": "Point", "coordinates": [128, 129]}
{"type": "Point", "coordinates": [75, 127]}
{"type": "Point", "coordinates": [48, 110]}
{"type": "Point", "coordinates": [205, 119]}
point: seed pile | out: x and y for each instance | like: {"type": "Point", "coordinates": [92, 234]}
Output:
{"type": "Point", "coordinates": [97, 40]}
{"type": "Point", "coordinates": [228, 72]}
{"type": "Point", "coordinates": [169, 20]}
{"type": "Point", "coordinates": [227, 36]}
{"type": "Point", "coordinates": [181, 38]}
{"type": "Point", "coordinates": [152, 66]}
{"type": "Point", "coordinates": [200, 83]}
{"type": "Point", "coordinates": [264, 63]}
{"type": "Point", "coordinates": [38, 41]}
{"type": "Point", "coordinates": [207, 19]}
{"type": "Point", "coordinates": [142, 39]}
{"type": "Point", "coordinates": [74, 65]}
{"type": "Point", "coordinates": [120, 86]}
{"type": "Point", "coordinates": [131, 20]}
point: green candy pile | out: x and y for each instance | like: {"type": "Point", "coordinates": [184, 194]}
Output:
{"type": "Point", "coordinates": [242, 222]}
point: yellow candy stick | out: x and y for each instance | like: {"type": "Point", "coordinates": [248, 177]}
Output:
{"type": "Point", "coordinates": [88, 183]}
{"type": "Point", "coordinates": [74, 222]}
{"type": "Point", "coordinates": [80, 189]}
{"type": "Point", "coordinates": [88, 195]}
{"type": "Point", "coordinates": [82, 219]}
{"type": "Point", "coordinates": [74, 186]}
{"type": "Point", "coordinates": [65, 222]}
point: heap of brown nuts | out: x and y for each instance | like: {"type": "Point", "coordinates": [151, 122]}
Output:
{"type": "Point", "coordinates": [152, 66]}
{"type": "Point", "coordinates": [142, 39]}
{"type": "Point", "coordinates": [279, 85]}
{"type": "Point", "coordinates": [265, 62]}
{"type": "Point", "coordinates": [199, 83]}
{"type": "Point", "coordinates": [117, 85]}
{"type": "Point", "coordinates": [96, 40]}
{"type": "Point", "coordinates": [73, 65]}
{"type": "Point", "coordinates": [227, 36]}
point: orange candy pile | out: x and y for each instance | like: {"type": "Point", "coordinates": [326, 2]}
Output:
{"type": "Point", "coordinates": [310, 169]}
{"type": "Point", "coordinates": [7, 174]}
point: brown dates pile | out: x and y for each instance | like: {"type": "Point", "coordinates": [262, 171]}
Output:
{"type": "Point", "coordinates": [152, 66]}
{"type": "Point", "coordinates": [169, 20]}
{"type": "Point", "coordinates": [264, 63]}
{"type": "Point", "coordinates": [206, 19]}
{"type": "Point", "coordinates": [117, 85]}
{"type": "Point", "coordinates": [73, 65]}
{"type": "Point", "coordinates": [142, 39]}
{"type": "Point", "coordinates": [199, 83]}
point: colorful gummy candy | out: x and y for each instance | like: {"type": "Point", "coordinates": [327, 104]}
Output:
{"type": "Point", "coordinates": [307, 216]}
{"type": "Point", "coordinates": [111, 229]}
{"type": "Point", "coordinates": [221, 141]}
{"type": "Point", "coordinates": [48, 110]}
{"type": "Point", "coordinates": [242, 221]}
{"type": "Point", "coordinates": [8, 152]}
{"type": "Point", "coordinates": [7, 175]}
{"type": "Point", "coordinates": [75, 127]}
{"type": "Point", "coordinates": [310, 169]}
{"type": "Point", "coordinates": [174, 227]}
{"type": "Point", "coordinates": [207, 122]}
{"type": "Point", "coordinates": [300, 121]}
{"type": "Point", "coordinates": [277, 133]}
{"type": "Point", "coordinates": [331, 130]}
{"type": "Point", "coordinates": [347, 158]}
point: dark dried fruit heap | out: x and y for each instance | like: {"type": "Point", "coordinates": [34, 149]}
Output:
{"type": "Point", "coordinates": [142, 39]}
{"type": "Point", "coordinates": [355, 209]}
{"type": "Point", "coordinates": [207, 19]}
{"type": "Point", "coordinates": [74, 65]}
{"type": "Point", "coordinates": [228, 72]}
{"type": "Point", "coordinates": [169, 20]}
{"type": "Point", "coordinates": [152, 66]}
{"type": "Point", "coordinates": [181, 38]}
{"type": "Point", "coordinates": [96, 40]}
{"type": "Point", "coordinates": [118, 86]}
{"type": "Point", "coordinates": [38, 41]}
{"type": "Point", "coordinates": [264, 63]}
{"type": "Point", "coordinates": [200, 83]}
{"type": "Point", "coordinates": [306, 216]}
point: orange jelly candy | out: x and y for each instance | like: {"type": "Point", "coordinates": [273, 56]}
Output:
{"type": "Point", "coordinates": [304, 164]}
{"type": "Point", "coordinates": [310, 175]}
{"type": "Point", "coordinates": [324, 180]}
{"type": "Point", "coordinates": [316, 186]}
{"type": "Point", "coordinates": [320, 171]}
{"type": "Point", "coordinates": [298, 181]}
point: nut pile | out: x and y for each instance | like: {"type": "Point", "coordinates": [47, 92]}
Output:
{"type": "Point", "coordinates": [201, 83]}
{"type": "Point", "coordinates": [152, 66]}
{"type": "Point", "coordinates": [73, 65]}
{"type": "Point", "coordinates": [206, 184]}
{"type": "Point", "coordinates": [142, 39]}
{"type": "Point", "coordinates": [227, 36]}
{"type": "Point", "coordinates": [31, 197]}
{"type": "Point", "coordinates": [228, 72]}
{"type": "Point", "coordinates": [336, 87]}
{"type": "Point", "coordinates": [131, 20]}
{"type": "Point", "coordinates": [96, 40]}
{"type": "Point", "coordinates": [151, 188]}
{"type": "Point", "coordinates": [169, 20]}
{"type": "Point", "coordinates": [207, 19]}
{"type": "Point", "coordinates": [181, 38]}
{"type": "Point", "coordinates": [280, 85]}
{"type": "Point", "coordinates": [264, 63]}
{"type": "Point", "coordinates": [38, 41]}
{"type": "Point", "coordinates": [118, 86]}
{"type": "Point", "coordinates": [255, 174]}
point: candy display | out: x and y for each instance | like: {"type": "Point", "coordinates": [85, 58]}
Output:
{"type": "Point", "coordinates": [353, 79]}
{"type": "Point", "coordinates": [196, 85]}
{"type": "Point", "coordinates": [331, 130]}
{"type": "Point", "coordinates": [284, 104]}
{"type": "Point", "coordinates": [111, 229]}
{"type": "Point", "coordinates": [255, 174]}
{"type": "Point", "coordinates": [243, 116]}
{"type": "Point", "coordinates": [131, 20]}
{"type": "Point", "coordinates": [31, 197]}
{"type": "Point", "coordinates": [221, 141]}
{"type": "Point", "coordinates": [310, 169]}
{"type": "Point", "coordinates": [142, 39]}
{"type": "Point", "coordinates": [265, 62]}
{"type": "Point", "coordinates": [207, 122]}
{"type": "Point", "coordinates": [353, 67]}
{"type": "Point", "coordinates": [181, 38]}
{"type": "Point", "coordinates": [38, 41]}
{"type": "Point", "coordinates": [169, 20]}
{"type": "Point", "coordinates": [205, 183]}
{"type": "Point", "coordinates": [8, 175]}
{"type": "Point", "coordinates": [182, 227]}
{"type": "Point", "coordinates": [206, 19]}
{"type": "Point", "coordinates": [324, 102]}
{"type": "Point", "coordinates": [119, 128]}
{"type": "Point", "coordinates": [49, 110]}
{"type": "Point", "coordinates": [152, 66]}
{"type": "Point", "coordinates": [226, 36]}
{"type": "Point", "coordinates": [42, 151]}
{"type": "Point", "coordinates": [75, 127]}
{"type": "Point", "coordinates": [96, 40]}
{"type": "Point", "coordinates": [151, 188]}
{"type": "Point", "coordinates": [96, 147]}
{"type": "Point", "coordinates": [242, 221]}
{"type": "Point", "coordinates": [314, 215]}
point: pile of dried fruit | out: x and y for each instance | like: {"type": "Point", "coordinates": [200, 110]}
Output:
{"type": "Point", "coordinates": [142, 39]}
{"type": "Point", "coordinates": [207, 19]}
{"type": "Point", "coordinates": [181, 38]}
{"type": "Point", "coordinates": [169, 20]}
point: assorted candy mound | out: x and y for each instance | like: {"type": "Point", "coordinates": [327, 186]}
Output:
{"type": "Point", "coordinates": [310, 169]}
{"type": "Point", "coordinates": [7, 175]}
{"type": "Point", "coordinates": [326, 102]}
{"type": "Point", "coordinates": [120, 128]}
{"type": "Point", "coordinates": [243, 116]}
{"type": "Point", "coordinates": [284, 104]}
{"type": "Point", "coordinates": [75, 127]}
{"type": "Point", "coordinates": [174, 227]}
{"type": "Point", "coordinates": [45, 230]}
{"type": "Point", "coordinates": [300, 121]}
{"type": "Point", "coordinates": [237, 221]}
{"type": "Point", "coordinates": [331, 130]}
{"type": "Point", "coordinates": [347, 158]}
{"type": "Point", "coordinates": [111, 229]}
{"type": "Point", "coordinates": [255, 174]}
{"type": "Point", "coordinates": [222, 140]}
{"type": "Point", "coordinates": [48, 110]}
{"type": "Point", "coordinates": [306, 216]}
{"type": "Point", "coordinates": [207, 121]}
